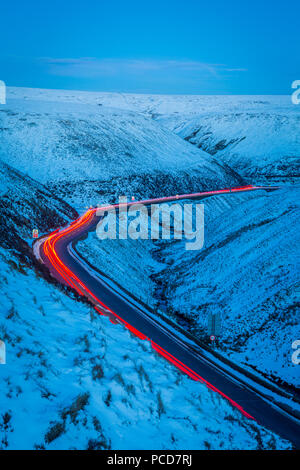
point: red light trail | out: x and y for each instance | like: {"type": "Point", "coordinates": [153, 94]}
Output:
{"type": "Point", "coordinates": [74, 282]}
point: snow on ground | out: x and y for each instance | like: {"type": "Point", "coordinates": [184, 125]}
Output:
{"type": "Point", "coordinates": [133, 264]}
{"type": "Point", "coordinates": [257, 143]}
{"type": "Point", "coordinates": [79, 380]}
{"type": "Point", "coordinates": [258, 136]}
{"type": "Point", "coordinates": [129, 263]}
{"type": "Point", "coordinates": [247, 271]}
{"type": "Point", "coordinates": [157, 105]}
{"type": "Point", "coordinates": [73, 380]}
{"type": "Point", "coordinates": [89, 153]}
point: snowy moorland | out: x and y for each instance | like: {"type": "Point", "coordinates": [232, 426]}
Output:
{"type": "Point", "coordinates": [88, 153]}
{"type": "Point", "coordinates": [258, 136]}
{"type": "Point", "coordinates": [73, 379]}
{"type": "Point", "coordinates": [247, 271]}
{"type": "Point", "coordinates": [271, 154]}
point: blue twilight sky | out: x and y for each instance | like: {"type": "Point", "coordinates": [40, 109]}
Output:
{"type": "Point", "coordinates": [166, 46]}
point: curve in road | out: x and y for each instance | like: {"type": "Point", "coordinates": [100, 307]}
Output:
{"type": "Point", "coordinates": [56, 253]}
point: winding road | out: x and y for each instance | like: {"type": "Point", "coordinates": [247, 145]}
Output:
{"type": "Point", "coordinates": [57, 253]}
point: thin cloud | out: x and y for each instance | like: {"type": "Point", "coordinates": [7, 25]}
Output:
{"type": "Point", "coordinates": [237, 69]}
{"type": "Point", "coordinates": [93, 67]}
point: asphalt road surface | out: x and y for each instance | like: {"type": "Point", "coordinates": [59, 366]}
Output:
{"type": "Point", "coordinates": [56, 252]}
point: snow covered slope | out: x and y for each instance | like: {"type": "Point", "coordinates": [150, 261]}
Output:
{"type": "Point", "coordinates": [248, 271]}
{"type": "Point", "coordinates": [25, 205]}
{"type": "Point", "coordinates": [88, 153]}
{"type": "Point", "coordinates": [257, 144]}
{"type": "Point", "coordinates": [258, 136]}
{"type": "Point", "coordinates": [74, 380]}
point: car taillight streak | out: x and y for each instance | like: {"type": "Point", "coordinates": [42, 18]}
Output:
{"type": "Point", "coordinates": [73, 281]}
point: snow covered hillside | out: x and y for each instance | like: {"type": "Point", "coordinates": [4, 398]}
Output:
{"type": "Point", "coordinates": [89, 153]}
{"type": "Point", "coordinates": [74, 380]}
{"type": "Point", "coordinates": [247, 271]}
{"type": "Point", "coordinates": [258, 143]}
{"type": "Point", "coordinates": [258, 136]}
{"type": "Point", "coordinates": [25, 205]}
